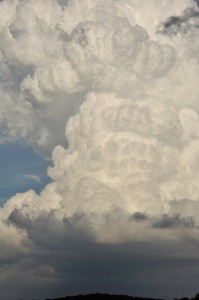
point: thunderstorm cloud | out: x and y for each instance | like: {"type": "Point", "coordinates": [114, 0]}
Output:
{"type": "Point", "coordinates": [108, 90]}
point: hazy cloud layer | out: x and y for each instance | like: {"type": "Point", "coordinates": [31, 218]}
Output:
{"type": "Point", "coordinates": [116, 99]}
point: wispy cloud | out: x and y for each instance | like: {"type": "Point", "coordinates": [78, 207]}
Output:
{"type": "Point", "coordinates": [35, 178]}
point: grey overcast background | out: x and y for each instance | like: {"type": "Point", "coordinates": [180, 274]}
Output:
{"type": "Point", "coordinates": [99, 148]}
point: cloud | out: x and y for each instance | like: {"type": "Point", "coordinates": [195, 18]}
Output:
{"type": "Point", "coordinates": [174, 222]}
{"type": "Point", "coordinates": [188, 21]}
{"type": "Point", "coordinates": [39, 79]}
{"type": "Point", "coordinates": [185, 27]}
{"type": "Point", "coordinates": [33, 177]}
{"type": "Point", "coordinates": [117, 103]}
{"type": "Point", "coordinates": [139, 217]}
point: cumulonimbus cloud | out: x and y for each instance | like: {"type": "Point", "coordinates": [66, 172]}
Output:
{"type": "Point", "coordinates": [117, 101]}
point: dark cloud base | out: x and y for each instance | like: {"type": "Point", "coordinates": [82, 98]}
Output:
{"type": "Point", "coordinates": [138, 269]}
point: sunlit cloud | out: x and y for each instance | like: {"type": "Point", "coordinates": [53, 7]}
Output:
{"type": "Point", "coordinates": [109, 91]}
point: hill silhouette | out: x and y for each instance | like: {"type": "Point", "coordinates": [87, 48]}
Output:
{"type": "Point", "coordinates": [99, 296]}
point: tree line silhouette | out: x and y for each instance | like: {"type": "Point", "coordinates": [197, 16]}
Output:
{"type": "Point", "coordinates": [99, 296]}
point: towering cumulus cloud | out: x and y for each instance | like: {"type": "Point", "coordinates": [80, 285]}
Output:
{"type": "Point", "coordinates": [110, 89]}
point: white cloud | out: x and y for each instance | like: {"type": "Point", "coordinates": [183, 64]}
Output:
{"type": "Point", "coordinates": [49, 54]}
{"type": "Point", "coordinates": [126, 96]}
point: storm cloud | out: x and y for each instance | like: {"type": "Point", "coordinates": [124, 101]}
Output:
{"type": "Point", "coordinates": [108, 90]}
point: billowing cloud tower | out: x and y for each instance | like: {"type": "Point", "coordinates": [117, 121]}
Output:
{"type": "Point", "coordinates": [110, 88]}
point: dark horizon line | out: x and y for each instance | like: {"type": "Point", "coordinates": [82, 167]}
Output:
{"type": "Point", "coordinates": [106, 296]}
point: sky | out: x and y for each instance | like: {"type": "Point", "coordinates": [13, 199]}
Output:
{"type": "Point", "coordinates": [99, 148]}
{"type": "Point", "coordinates": [21, 169]}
